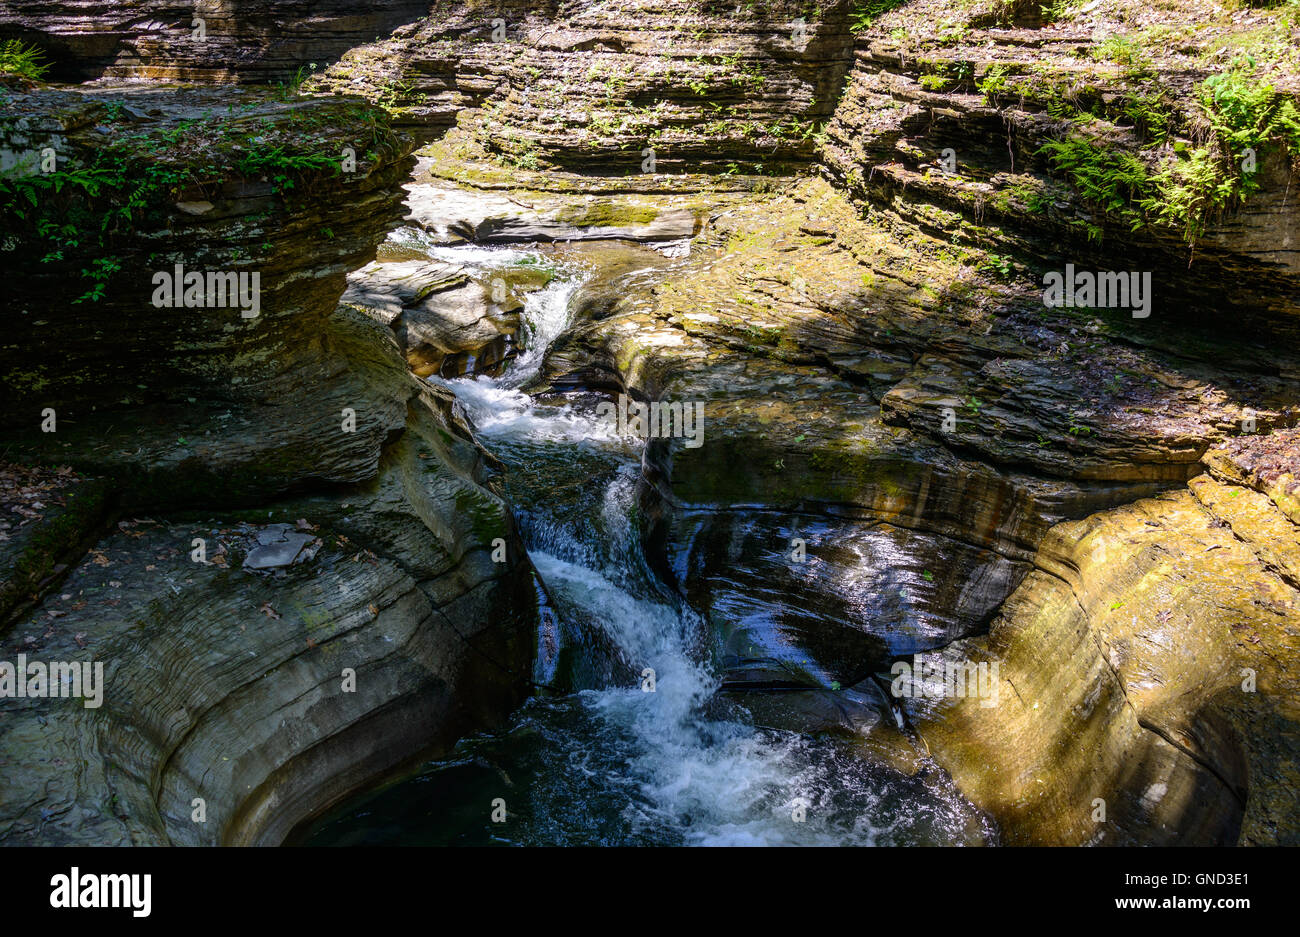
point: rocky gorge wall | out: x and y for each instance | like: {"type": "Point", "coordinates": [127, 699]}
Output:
{"type": "Point", "coordinates": [205, 42]}
{"type": "Point", "coordinates": [295, 595]}
{"type": "Point", "coordinates": [589, 87]}
{"type": "Point", "coordinates": [1096, 137]}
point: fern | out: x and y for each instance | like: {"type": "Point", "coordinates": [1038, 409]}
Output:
{"type": "Point", "coordinates": [22, 60]}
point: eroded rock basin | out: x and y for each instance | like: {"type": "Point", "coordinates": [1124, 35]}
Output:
{"type": "Point", "coordinates": [601, 756]}
{"type": "Point", "coordinates": [773, 578]}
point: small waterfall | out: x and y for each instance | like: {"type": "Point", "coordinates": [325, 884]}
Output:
{"type": "Point", "coordinates": [647, 753]}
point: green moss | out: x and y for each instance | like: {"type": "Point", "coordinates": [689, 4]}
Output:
{"type": "Point", "coordinates": [607, 214]}
{"type": "Point", "coordinates": [486, 517]}
{"type": "Point", "coordinates": [866, 12]}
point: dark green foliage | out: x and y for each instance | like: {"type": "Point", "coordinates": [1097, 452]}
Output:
{"type": "Point", "coordinates": [17, 58]}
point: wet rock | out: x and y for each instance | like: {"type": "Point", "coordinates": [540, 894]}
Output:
{"type": "Point", "coordinates": [1147, 661]}
{"type": "Point", "coordinates": [453, 213]}
{"type": "Point", "coordinates": [802, 600]}
{"type": "Point", "coordinates": [437, 311]}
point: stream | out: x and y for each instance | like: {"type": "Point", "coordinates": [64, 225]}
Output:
{"type": "Point", "coordinates": [596, 758]}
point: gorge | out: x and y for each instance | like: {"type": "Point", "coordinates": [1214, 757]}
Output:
{"type": "Point", "coordinates": [379, 563]}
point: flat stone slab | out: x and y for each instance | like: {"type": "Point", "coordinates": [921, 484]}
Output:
{"type": "Point", "coordinates": [276, 547]}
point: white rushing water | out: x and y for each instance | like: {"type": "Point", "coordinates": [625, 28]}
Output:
{"type": "Point", "coordinates": [495, 404]}
{"type": "Point", "coordinates": [696, 779]}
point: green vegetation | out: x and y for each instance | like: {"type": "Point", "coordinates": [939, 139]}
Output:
{"type": "Point", "coordinates": [866, 13]}
{"type": "Point", "coordinates": [947, 76]}
{"type": "Point", "coordinates": [17, 58]}
{"type": "Point", "coordinates": [1003, 265]}
{"type": "Point", "coordinates": [389, 95]}
{"type": "Point", "coordinates": [1125, 52]}
{"type": "Point", "coordinates": [291, 89]}
{"type": "Point", "coordinates": [94, 207]}
{"type": "Point", "coordinates": [993, 83]}
{"type": "Point", "coordinates": [1056, 10]}
{"type": "Point", "coordinates": [1189, 185]}
{"type": "Point", "coordinates": [1109, 179]}
{"type": "Point", "coordinates": [1149, 113]}
{"type": "Point", "coordinates": [607, 214]}
{"type": "Point", "coordinates": [1248, 115]}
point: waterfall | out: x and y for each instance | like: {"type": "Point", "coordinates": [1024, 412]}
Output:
{"type": "Point", "coordinates": [647, 752]}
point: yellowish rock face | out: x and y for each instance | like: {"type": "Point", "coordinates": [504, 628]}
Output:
{"type": "Point", "coordinates": [1150, 663]}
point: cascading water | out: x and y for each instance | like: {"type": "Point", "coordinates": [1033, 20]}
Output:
{"type": "Point", "coordinates": [610, 762]}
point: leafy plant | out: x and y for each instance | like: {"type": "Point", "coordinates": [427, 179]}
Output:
{"type": "Point", "coordinates": [17, 58]}
{"type": "Point", "coordinates": [993, 82]}
{"type": "Point", "coordinates": [1248, 114]}
{"type": "Point", "coordinates": [1149, 114]}
{"type": "Point", "coordinates": [1188, 189]}
{"type": "Point", "coordinates": [1056, 10]}
{"type": "Point", "coordinates": [864, 14]}
{"type": "Point", "coordinates": [998, 262]}
{"type": "Point", "coordinates": [88, 209]}
{"type": "Point", "coordinates": [1109, 179]}
{"type": "Point", "coordinates": [293, 87]}
{"type": "Point", "coordinates": [1123, 51]}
